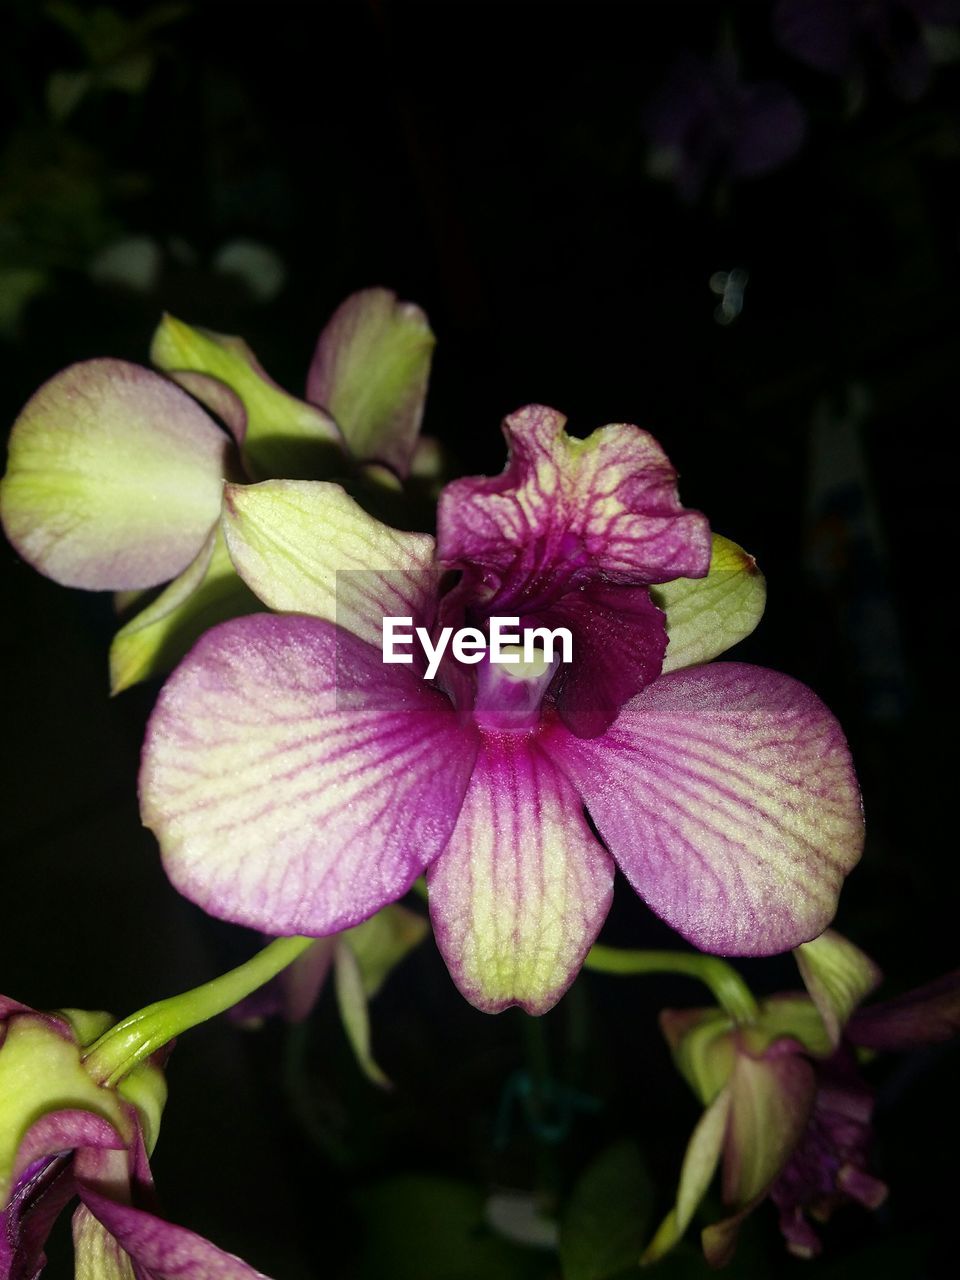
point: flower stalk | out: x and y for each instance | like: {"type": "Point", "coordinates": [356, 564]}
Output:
{"type": "Point", "coordinates": [729, 989]}
{"type": "Point", "coordinates": [134, 1039]}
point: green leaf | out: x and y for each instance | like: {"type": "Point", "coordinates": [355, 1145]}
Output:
{"type": "Point", "coordinates": [706, 616]}
{"type": "Point", "coordinates": [606, 1219]}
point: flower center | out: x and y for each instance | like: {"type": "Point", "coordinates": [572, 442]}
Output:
{"type": "Point", "coordinates": [509, 693]}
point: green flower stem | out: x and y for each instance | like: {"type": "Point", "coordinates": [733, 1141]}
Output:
{"type": "Point", "coordinates": [730, 990]}
{"type": "Point", "coordinates": [128, 1043]}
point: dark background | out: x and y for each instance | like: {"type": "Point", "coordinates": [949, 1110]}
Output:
{"type": "Point", "coordinates": [491, 161]}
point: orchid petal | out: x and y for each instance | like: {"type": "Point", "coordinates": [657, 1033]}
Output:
{"type": "Point", "coordinates": [114, 477]}
{"type": "Point", "coordinates": [702, 1048]}
{"type": "Point", "coordinates": [928, 1015]}
{"type": "Point", "coordinates": [370, 371]}
{"type": "Point", "coordinates": [208, 591]}
{"type": "Point", "coordinates": [838, 976]}
{"type": "Point", "coordinates": [771, 1098]}
{"type": "Point", "coordinates": [707, 616]}
{"type": "Point", "coordinates": [281, 434]}
{"type": "Point", "coordinates": [567, 511]}
{"type": "Point", "coordinates": [618, 642]}
{"type": "Point", "coordinates": [160, 1250]}
{"type": "Point", "coordinates": [699, 1165]}
{"type": "Point", "coordinates": [381, 942]}
{"type": "Point", "coordinates": [310, 548]}
{"type": "Point", "coordinates": [790, 1016]}
{"type": "Point", "coordinates": [297, 784]}
{"type": "Point", "coordinates": [352, 1003]}
{"type": "Point", "coordinates": [523, 887]}
{"type": "Point", "coordinates": [96, 1254]}
{"type": "Point", "coordinates": [727, 795]}
{"type": "Point", "coordinates": [771, 1101]}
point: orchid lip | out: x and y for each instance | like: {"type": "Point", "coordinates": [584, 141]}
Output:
{"type": "Point", "coordinates": [510, 693]}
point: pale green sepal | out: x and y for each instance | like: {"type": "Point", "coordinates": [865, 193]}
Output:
{"type": "Point", "coordinates": [352, 1003]}
{"type": "Point", "coordinates": [41, 1072]}
{"type": "Point", "coordinates": [207, 592]}
{"type": "Point", "coordinates": [283, 435]}
{"type": "Point", "coordinates": [96, 1253]}
{"type": "Point", "coordinates": [146, 1088]}
{"type": "Point", "coordinates": [706, 616]}
{"type": "Point", "coordinates": [699, 1165]}
{"type": "Point", "coordinates": [838, 976]}
{"type": "Point", "coordinates": [770, 1101]}
{"type": "Point", "coordinates": [381, 942]}
{"type": "Point", "coordinates": [370, 372]}
{"type": "Point", "coordinates": [307, 547]}
{"type": "Point", "coordinates": [702, 1047]}
{"type": "Point", "coordinates": [790, 1017]}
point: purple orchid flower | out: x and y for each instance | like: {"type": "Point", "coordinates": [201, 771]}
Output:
{"type": "Point", "coordinates": [788, 1113]}
{"type": "Point", "coordinates": [706, 124]}
{"type": "Point", "coordinates": [297, 783]}
{"type": "Point", "coordinates": [844, 37]}
{"type": "Point", "coordinates": [115, 473]}
{"type": "Point", "coordinates": [63, 1136]}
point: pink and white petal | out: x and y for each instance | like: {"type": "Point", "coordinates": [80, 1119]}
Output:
{"type": "Point", "coordinates": [370, 371]}
{"type": "Point", "coordinates": [281, 434]}
{"type": "Point", "coordinates": [160, 1250]}
{"type": "Point", "coordinates": [727, 795]}
{"type": "Point", "coordinates": [707, 616]}
{"type": "Point", "coordinates": [567, 511]}
{"type": "Point", "coordinates": [522, 889]}
{"type": "Point", "coordinates": [307, 547]}
{"type": "Point", "coordinates": [114, 477]}
{"type": "Point", "coordinates": [295, 783]}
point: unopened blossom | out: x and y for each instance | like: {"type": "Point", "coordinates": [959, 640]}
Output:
{"type": "Point", "coordinates": [297, 783]}
{"type": "Point", "coordinates": [788, 1113]}
{"type": "Point", "coordinates": [65, 1138]}
{"type": "Point", "coordinates": [115, 473]}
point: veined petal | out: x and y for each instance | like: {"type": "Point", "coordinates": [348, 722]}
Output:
{"type": "Point", "coordinates": [207, 592]}
{"type": "Point", "coordinates": [370, 371]}
{"type": "Point", "coordinates": [699, 1165]}
{"type": "Point", "coordinates": [618, 641]}
{"type": "Point", "coordinates": [281, 435]}
{"type": "Point", "coordinates": [838, 977]}
{"type": "Point", "coordinates": [727, 795]}
{"type": "Point", "coordinates": [296, 784]}
{"type": "Point", "coordinates": [307, 547]}
{"type": "Point", "coordinates": [928, 1015]}
{"type": "Point", "coordinates": [523, 887]}
{"type": "Point", "coordinates": [566, 511]}
{"type": "Point", "coordinates": [161, 1250]}
{"type": "Point", "coordinates": [707, 616]}
{"type": "Point", "coordinates": [114, 477]}
{"type": "Point", "coordinates": [771, 1098]}
{"type": "Point", "coordinates": [770, 1103]}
